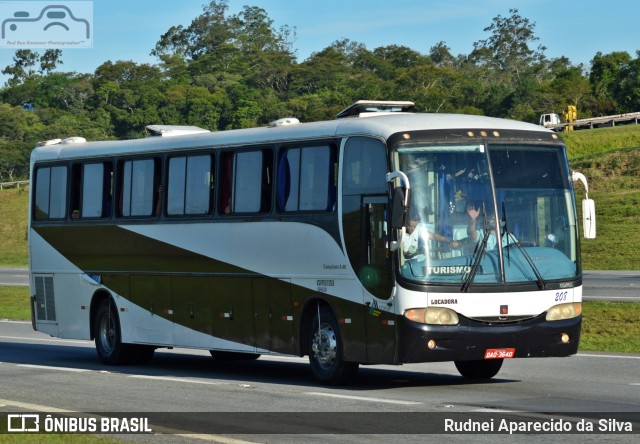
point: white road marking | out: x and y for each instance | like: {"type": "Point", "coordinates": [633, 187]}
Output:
{"type": "Point", "coordinates": [214, 438]}
{"type": "Point", "coordinates": [48, 367]}
{"type": "Point", "coordinates": [64, 341]}
{"type": "Point", "coordinates": [34, 407]}
{"type": "Point", "coordinates": [363, 398]}
{"type": "Point", "coordinates": [167, 378]}
{"type": "Point", "coordinates": [608, 356]}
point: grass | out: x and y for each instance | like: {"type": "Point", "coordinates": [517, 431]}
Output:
{"type": "Point", "coordinates": [13, 227]}
{"type": "Point", "coordinates": [610, 326]}
{"type": "Point", "coordinates": [606, 326]}
{"type": "Point", "coordinates": [614, 179]}
{"type": "Point", "coordinates": [14, 303]}
{"type": "Point", "coordinates": [588, 143]}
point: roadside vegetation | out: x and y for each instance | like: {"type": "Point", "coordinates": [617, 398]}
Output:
{"type": "Point", "coordinates": [13, 227]}
{"type": "Point", "coordinates": [610, 159]}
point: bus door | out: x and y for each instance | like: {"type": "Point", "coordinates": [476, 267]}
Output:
{"type": "Point", "coordinates": [377, 278]}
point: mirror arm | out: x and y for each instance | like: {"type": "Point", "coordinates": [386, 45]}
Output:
{"type": "Point", "coordinates": [575, 176]}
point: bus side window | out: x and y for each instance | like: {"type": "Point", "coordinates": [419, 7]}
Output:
{"type": "Point", "coordinates": [246, 182]}
{"type": "Point", "coordinates": [139, 188]}
{"type": "Point", "coordinates": [51, 193]}
{"type": "Point", "coordinates": [190, 185]}
{"type": "Point", "coordinates": [91, 188]}
{"type": "Point", "coordinates": [306, 179]}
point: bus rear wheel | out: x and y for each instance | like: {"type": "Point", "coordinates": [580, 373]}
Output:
{"type": "Point", "coordinates": [481, 369]}
{"type": "Point", "coordinates": [325, 351]}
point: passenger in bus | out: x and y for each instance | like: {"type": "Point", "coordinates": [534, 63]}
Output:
{"type": "Point", "coordinates": [477, 234]}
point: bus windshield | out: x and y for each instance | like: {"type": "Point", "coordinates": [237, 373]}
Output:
{"type": "Point", "coordinates": [487, 214]}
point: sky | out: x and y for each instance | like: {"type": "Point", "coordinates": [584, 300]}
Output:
{"type": "Point", "coordinates": [577, 29]}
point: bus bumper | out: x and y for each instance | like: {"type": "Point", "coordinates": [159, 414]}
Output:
{"type": "Point", "coordinates": [470, 340]}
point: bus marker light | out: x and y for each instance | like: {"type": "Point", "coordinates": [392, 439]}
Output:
{"type": "Point", "coordinates": [431, 344]}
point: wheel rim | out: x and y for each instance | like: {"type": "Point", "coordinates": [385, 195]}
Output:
{"type": "Point", "coordinates": [325, 346]}
{"type": "Point", "coordinates": [107, 334]}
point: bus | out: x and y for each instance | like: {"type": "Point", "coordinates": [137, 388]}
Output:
{"type": "Point", "coordinates": [384, 236]}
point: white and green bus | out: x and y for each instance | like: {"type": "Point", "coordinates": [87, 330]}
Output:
{"type": "Point", "coordinates": [381, 237]}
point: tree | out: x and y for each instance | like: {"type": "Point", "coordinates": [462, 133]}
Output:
{"type": "Point", "coordinates": [607, 71]}
{"type": "Point", "coordinates": [629, 92]}
{"type": "Point", "coordinates": [508, 50]}
{"type": "Point", "coordinates": [23, 67]}
{"type": "Point", "coordinates": [50, 60]}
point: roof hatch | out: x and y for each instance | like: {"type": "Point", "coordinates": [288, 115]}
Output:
{"type": "Point", "coordinates": [364, 108]}
{"type": "Point", "coordinates": [173, 130]}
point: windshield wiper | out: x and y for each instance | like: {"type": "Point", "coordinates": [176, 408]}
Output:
{"type": "Point", "coordinates": [479, 253]}
{"type": "Point", "coordinates": [509, 235]}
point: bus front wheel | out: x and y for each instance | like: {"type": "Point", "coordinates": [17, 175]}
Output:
{"type": "Point", "coordinates": [111, 350]}
{"type": "Point", "coordinates": [481, 369]}
{"type": "Point", "coordinates": [325, 351]}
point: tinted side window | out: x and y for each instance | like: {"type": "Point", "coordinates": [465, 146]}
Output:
{"type": "Point", "coordinates": [365, 167]}
{"type": "Point", "coordinates": [190, 185]}
{"type": "Point", "coordinates": [139, 188]}
{"type": "Point", "coordinates": [51, 193]}
{"type": "Point", "coordinates": [306, 179]}
{"type": "Point", "coordinates": [91, 190]}
{"type": "Point", "coordinates": [245, 183]}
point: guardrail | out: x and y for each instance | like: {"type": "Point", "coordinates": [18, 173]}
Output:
{"type": "Point", "coordinates": [16, 184]}
{"type": "Point", "coordinates": [594, 122]}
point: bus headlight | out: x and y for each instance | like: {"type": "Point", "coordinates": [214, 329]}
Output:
{"type": "Point", "coordinates": [432, 315]}
{"type": "Point", "coordinates": [564, 311]}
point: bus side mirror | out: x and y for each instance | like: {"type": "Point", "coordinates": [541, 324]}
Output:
{"type": "Point", "coordinates": [589, 218]}
{"type": "Point", "coordinates": [399, 211]}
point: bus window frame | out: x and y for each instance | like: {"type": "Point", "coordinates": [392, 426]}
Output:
{"type": "Point", "coordinates": [80, 192]}
{"type": "Point", "coordinates": [158, 162]}
{"type": "Point", "coordinates": [33, 203]}
{"type": "Point", "coordinates": [213, 185]}
{"type": "Point", "coordinates": [333, 179]}
{"type": "Point", "coordinates": [226, 171]}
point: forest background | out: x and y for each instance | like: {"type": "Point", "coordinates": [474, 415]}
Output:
{"type": "Point", "coordinates": [227, 71]}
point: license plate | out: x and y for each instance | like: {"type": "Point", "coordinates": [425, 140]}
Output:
{"type": "Point", "coordinates": [499, 353]}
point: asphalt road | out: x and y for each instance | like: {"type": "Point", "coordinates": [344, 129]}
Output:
{"type": "Point", "coordinates": [186, 396]}
{"type": "Point", "coordinates": [598, 285]}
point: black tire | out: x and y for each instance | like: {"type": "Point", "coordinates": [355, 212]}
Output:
{"type": "Point", "coordinates": [111, 350]}
{"type": "Point", "coordinates": [233, 356]}
{"type": "Point", "coordinates": [482, 369]}
{"type": "Point", "coordinates": [326, 351]}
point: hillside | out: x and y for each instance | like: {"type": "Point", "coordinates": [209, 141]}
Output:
{"type": "Point", "coordinates": [609, 157]}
